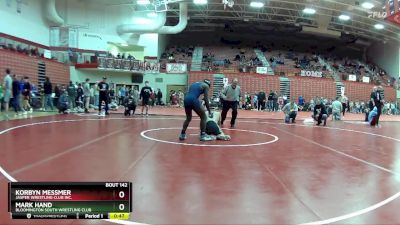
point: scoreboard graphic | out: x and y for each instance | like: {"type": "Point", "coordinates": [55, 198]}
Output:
{"type": "Point", "coordinates": [77, 200]}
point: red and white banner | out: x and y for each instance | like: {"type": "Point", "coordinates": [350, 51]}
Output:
{"type": "Point", "coordinates": [176, 68]}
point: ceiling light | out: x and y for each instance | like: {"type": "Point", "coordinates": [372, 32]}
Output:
{"type": "Point", "coordinates": [143, 2]}
{"type": "Point", "coordinates": [200, 2]}
{"type": "Point", "coordinates": [152, 14]}
{"type": "Point", "coordinates": [368, 5]}
{"type": "Point", "coordinates": [379, 26]}
{"type": "Point", "coordinates": [344, 17]}
{"type": "Point", "coordinates": [257, 4]}
{"type": "Point", "coordinates": [309, 11]}
{"type": "Point", "coordinates": [124, 44]}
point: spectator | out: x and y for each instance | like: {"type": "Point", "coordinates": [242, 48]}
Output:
{"type": "Point", "coordinates": [159, 96]}
{"type": "Point", "coordinates": [71, 94]}
{"type": "Point", "coordinates": [261, 101]}
{"type": "Point", "coordinates": [7, 92]}
{"type": "Point", "coordinates": [63, 102]}
{"type": "Point", "coordinates": [27, 88]}
{"type": "Point", "coordinates": [103, 89]}
{"type": "Point", "coordinates": [87, 94]}
{"type": "Point", "coordinates": [16, 95]}
{"type": "Point", "coordinates": [48, 91]}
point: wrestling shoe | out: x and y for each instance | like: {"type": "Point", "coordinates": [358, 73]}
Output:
{"type": "Point", "coordinates": [206, 137]}
{"type": "Point", "coordinates": [182, 137]}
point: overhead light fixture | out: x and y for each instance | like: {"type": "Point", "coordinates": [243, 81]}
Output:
{"type": "Point", "coordinates": [257, 4]}
{"type": "Point", "coordinates": [379, 26]}
{"type": "Point", "coordinates": [143, 2]}
{"type": "Point", "coordinates": [124, 44]}
{"type": "Point", "coordinates": [200, 2]}
{"type": "Point", "coordinates": [152, 14]}
{"type": "Point", "coordinates": [367, 5]}
{"type": "Point", "coordinates": [344, 17]}
{"type": "Point", "coordinates": [309, 11]}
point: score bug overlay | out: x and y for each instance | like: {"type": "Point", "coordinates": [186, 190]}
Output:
{"type": "Point", "coordinates": [70, 200]}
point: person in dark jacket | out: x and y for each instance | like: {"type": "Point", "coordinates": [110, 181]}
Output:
{"type": "Point", "coordinates": [368, 109]}
{"type": "Point", "coordinates": [320, 113]}
{"type": "Point", "coordinates": [377, 101]}
{"type": "Point", "coordinates": [159, 96]}
{"type": "Point", "coordinates": [261, 101]}
{"type": "Point", "coordinates": [16, 94]}
{"type": "Point", "coordinates": [79, 96]}
{"type": "Point", "coordinates": [71, 94]}
{"type": "Point", "coordinates": [48, 91]}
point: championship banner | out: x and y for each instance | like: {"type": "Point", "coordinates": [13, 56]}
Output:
{"type": "Point", "coordinates": [262, 70]}
{"type": "Point", "coordinates": [148, 66]}
{"type": "Point", "coordinates": [176, 68]}
{"type": "Point", "coordinates": [305, 73]}
{"type": "Point", "coordinates": [352, 77]}
{"type": "Point", "coordinates": [392, 11]}
{"type": "Point", "coordinates": [151, 66]}
{"type": "Point", "coordinates": [365, 79]}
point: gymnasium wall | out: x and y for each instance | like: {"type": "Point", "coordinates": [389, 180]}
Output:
{"type": "Point", "coordinates": [250, 83]}
{"type": "Point", "coordinates": [126, 78]}
{"type": "Point", "coordinates": [362, 91]}
{"type": "Point", "coordinates": [23, 65]}
{"type": "Point", "coordinates": [387, 56]}
{"type": "Point", "coordinates": [95, 32]}
{"type": "Point", "coordinates": [308, 87]}
{"type": "Point", "coordinates": [29, 24]}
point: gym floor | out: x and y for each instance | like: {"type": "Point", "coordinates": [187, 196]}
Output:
{"type": "Point", "coordinates": [270, 173]}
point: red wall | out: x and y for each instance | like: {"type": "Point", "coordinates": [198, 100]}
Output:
{"type": "Point", "coordinates": [23, 65]}
{"type": "Point", "coordinates": [248, 82]}
{"type": "Point", "coordinates": [310, 87]}
{"type": "Point", "coordinates": [362, 91]}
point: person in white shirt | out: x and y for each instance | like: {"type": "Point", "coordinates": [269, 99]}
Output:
{"type": "Point", "coordinates": [231, 98]}
{"type": "Point", "coordinates": [336, 109]}
{"type": "Point", "coordinates": [87, 94]}
{"type": "Point", "coordinates": [213, 127]}
{"type": "Point", "coordinates": [7, 84]}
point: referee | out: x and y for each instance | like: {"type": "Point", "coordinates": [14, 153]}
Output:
{"type": "Point", "coordinates": [377, 101]}
{"type": "Point", "coordinates": [231, 97]}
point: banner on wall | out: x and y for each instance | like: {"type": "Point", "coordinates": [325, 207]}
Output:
{"type": "Point", "coordinates": [47, 54]}
{"type": "Point", "coordinates": [352, 77]}
{"type": "Point", "coordinates": [176, 68]}
{"type": "Point", "coordinates": [147, 66]}
{"type": "Point", "coordinates": [307, 73]}
{"type": "Point", "coordinates": [365, 79]}
{"type": "Point", "coordinates": [262, 70]}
